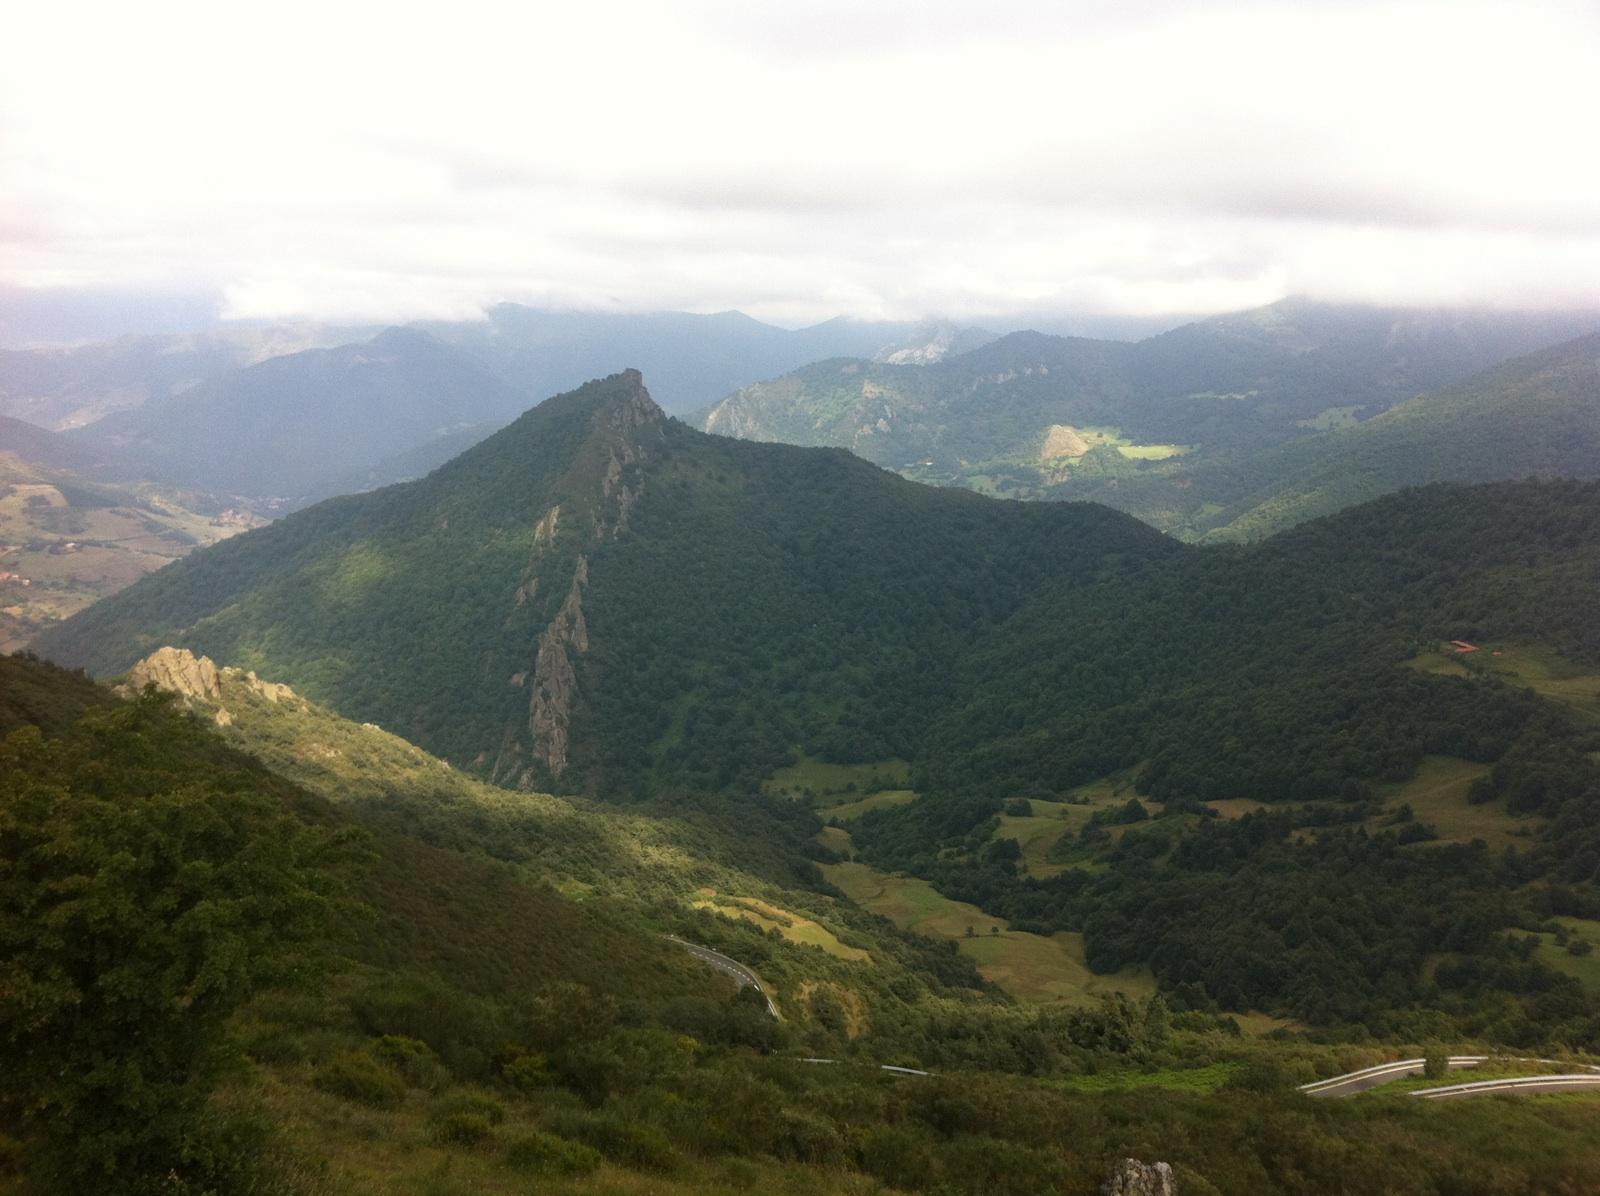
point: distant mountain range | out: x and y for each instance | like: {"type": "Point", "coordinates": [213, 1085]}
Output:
{"type": "Point", "coordinates": [1030, 415]}
{"type": "Point", "coordinates": [278, 416]}
{"type": "Point", "coordinates": [72, 387]}
{"type": "Point", "coordinates": [1534, 416]}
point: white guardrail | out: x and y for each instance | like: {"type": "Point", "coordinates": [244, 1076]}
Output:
{"type": "Point", "coordinates": [1385, 1072]}
{"type": "Point", "coordinates": [1401, 1068]}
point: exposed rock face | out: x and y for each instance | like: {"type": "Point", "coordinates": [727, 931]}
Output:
{"type": "Point", "coordinates": [555, 681]}
{"type": "Point", "coordinates": [179, 671]}
{"type": "Point", "coordinates": [599, 492]}
{"type": "Point", "coordinates": [1130, 1177]}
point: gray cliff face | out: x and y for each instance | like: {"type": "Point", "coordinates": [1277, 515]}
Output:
{"type": "Point", "coordinates": [600, 491]}
{"type": "Point", "coordinates": [1130, 1177]}
{"type": "Point", "coordinates": [555, 681]}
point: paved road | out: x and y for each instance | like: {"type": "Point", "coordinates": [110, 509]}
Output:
{"type": "Point", "coordinates": [731, 967]}
{"type": "Point", "coordinates": [1527, 1086]}
{"type": "Point", "coordinates": [1522, 1086]}
{"type": "Point", "coordinates": [1370, 1077]}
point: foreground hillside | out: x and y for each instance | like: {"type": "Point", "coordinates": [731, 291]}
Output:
{"type": "Point", "coordinates": [410, 983]}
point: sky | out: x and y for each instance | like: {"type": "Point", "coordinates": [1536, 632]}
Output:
{"type": "Point", "coordinates": [803, 159]}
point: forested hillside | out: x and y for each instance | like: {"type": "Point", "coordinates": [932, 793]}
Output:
{"type": "Point", "coordinates": [820, 586]}
{"type": "Point", "coordinates": [1263, 411]}
{"type": "Point", "coordinates": [603, 600]}
{"type": "Point", "coordinates": [325, 962]}
{"type": "Point", "coordinates": [1536, 416]}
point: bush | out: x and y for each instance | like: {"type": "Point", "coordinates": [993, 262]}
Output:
{"type": "Point", "coordinates": [414, 1061]}
{"type": "Point", "coordinates": [1435, 1063]}
{"type": "Point", "coordinates": [634, 1144]}
{"type": "Point", "coordinates": [461, 1129]}
{"type": "Point", "coordinates": [901, 1156]}
{"type": "Point", "coordinates": [539, 1153]}
{"type": "Point", "coordinates": [469, 1100]}
{"type": "Point", "coordinates": [357, 1076]}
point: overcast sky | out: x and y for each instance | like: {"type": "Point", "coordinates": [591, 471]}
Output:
{"type": "Point", "coordinates": [803, 159]}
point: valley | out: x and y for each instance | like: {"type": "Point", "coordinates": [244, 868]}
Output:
{"type": "Point", "coordinates": [814, 599]}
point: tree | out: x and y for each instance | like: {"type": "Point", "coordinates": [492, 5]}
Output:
{"type": "Point", "coordinates": [1435, 1063]}
{"type": "Point", "coordinates": [149, 882]}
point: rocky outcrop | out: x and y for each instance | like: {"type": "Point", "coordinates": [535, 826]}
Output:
{"type": "Point", "coordinates": [555, 680]}
{"type": "Point", "coordinates": [628, 431]}
{"type": "Point", "coordinates": [178, 671]}
{"type": "Point", "coordinates": [1130, 1177]}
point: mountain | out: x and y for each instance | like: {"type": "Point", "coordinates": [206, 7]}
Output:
{"type": "Point", "coordinates": [1535, 416]}
{"type": "Point", "coordinates": [1031, 414]}
{"type": "Point", "coordinates": [297, 426]}
{"type": "Point", "coordinates": [547, 556]}
{"type": "Point", "coordinates": [690, 359]}
{"type": "Point", "coordinates": [991, 696]}
{"type": "Point", "coordinates": [27, 443]}
{"type": "Point", "coordinates": [70, 387]}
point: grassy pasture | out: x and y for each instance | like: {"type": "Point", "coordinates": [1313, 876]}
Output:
{"type": "Point", "coordinates": [1584, 968]}
{"type": "Point", "coordinates": [854, 809]}
{"type": "Point", "coordinates": [819, 780]}
{"type": "Point", "coordinates": [1030, 967]}
{"type": "Point", "coordinates": [1537, 668]}
{"type": "Point", "coordinates": [792, 926]}
{"type": "Point", "coordinates": [1438, 795]}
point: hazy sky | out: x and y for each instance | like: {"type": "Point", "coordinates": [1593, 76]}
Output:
{"type": "Point", "coordinates": [803, 159]}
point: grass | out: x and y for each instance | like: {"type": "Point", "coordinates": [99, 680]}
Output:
{"type": "Point", "coordinates": [1437, 794]}
{"type": "Point", "coordinates": [1584, 968]}
{"type": "Point", "coordinates": [837, 839]}
{"type": "Point", "coordinates": [877, 801]}
{"type": "Point", "coordinates": [817, 779]}
{"type": "Point", "coordinates": [1494, 1069]}
{"type": "Point", "coordinates": [792, 926]}
{"type": "Point", "coordinates": [1201, 1080]}
{"type": "Point", "coordinates": [1535, 667]}
{"type": "Point", "coordinates": [1030, 967]}
{"type": "Point", "coordinates": [1047, 821]}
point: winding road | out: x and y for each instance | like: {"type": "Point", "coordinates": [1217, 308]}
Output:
{"type": "Point", "coordinates": [731, 967]}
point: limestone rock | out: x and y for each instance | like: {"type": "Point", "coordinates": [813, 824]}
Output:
{"type": "Point", "coordinates": [1130, 1177]}
{"type": "Point", "coordinates": [179, 671]}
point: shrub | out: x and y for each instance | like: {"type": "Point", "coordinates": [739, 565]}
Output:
{"type": "Point", "coordinates": [634, 1144]}
{"type": "Point", "coordinates": [357, 1076]}
{"type": "Point", "coordinates": [901, 1156]}
{"type": "Point", "coordinates": [469, 1100]}
{"type": "Point", "coordinates": [461, 1129]}
{"type": "Point", "coordinates": [1435, 1063]}
{"type": "Point", "coordinates": [539, 1153]}
{"type": "Point", "coordinates": [414, 1061]}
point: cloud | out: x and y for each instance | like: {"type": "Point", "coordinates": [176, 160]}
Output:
{"type": "Point", "coordinates": [801, 160]}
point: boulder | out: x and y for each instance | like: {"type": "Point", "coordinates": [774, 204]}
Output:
{"type": "Point", "coordinates": [1130, 1177]}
